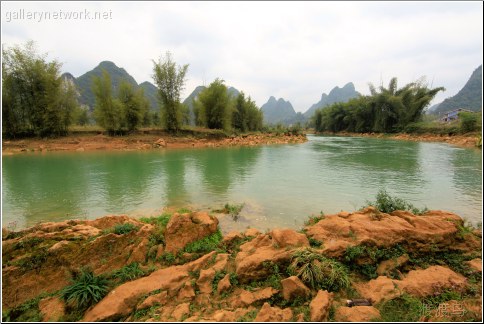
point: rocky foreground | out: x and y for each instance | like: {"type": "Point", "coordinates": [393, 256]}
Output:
{"type": "Point", "coordinates": [179, 268]}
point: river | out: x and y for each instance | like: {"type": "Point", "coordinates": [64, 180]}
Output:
{"type": "Point", "coordinates": [280, 185]}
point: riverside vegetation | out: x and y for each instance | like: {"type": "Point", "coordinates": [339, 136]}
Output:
{"type": "Point", "coordinates": [179, 267]}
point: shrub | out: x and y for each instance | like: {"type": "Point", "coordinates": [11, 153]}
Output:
{"type": "Point", "coordinates": [86, 289]}
{"type": "Point", "coordinates": [124, 228]}
{"type": "Point", "coordinates": [468, 122]}
{"type": "Point", "coordinates": [387, 204]}
{"type": "Point", "coordinates": [318, 271]}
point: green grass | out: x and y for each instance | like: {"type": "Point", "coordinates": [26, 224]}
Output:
{"type": "Point", "coordinates": [34, 261]}
{"type": "Point", "coordinates": [402, 309]}
{"type": "Point", "coordinates": [248, 317]}
{"type": "Point", "coordinates": [161, 220]}
{"type": "Point", "coordinates": [314, 219]}
{"type": "Point", "coordinates": [207, 244]}
{"type": "Point", "coordinates": [85, 290]}
{"type": "Point", "coordinates": [124, 228]}
{"type": "Point", "coordinates": [317, 271]}
{"type": "Point", "coordinates": [27, 312]}
{"type": "Point", "coordinates": [127, 273]}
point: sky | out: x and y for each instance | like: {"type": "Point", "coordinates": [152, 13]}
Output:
{"type": "Point", "coordinates": [290, 50]}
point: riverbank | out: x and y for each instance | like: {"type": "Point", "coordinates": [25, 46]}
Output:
{"type": "Point", "coordinates": [98, 142]}
{"type": "Point", "coordinates": [179, 267]}
{"type": "Point", "coordinates": [465, 140]}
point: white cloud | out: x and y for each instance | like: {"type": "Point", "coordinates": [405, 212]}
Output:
{"type": "Point", "coordinates": [292, 50]}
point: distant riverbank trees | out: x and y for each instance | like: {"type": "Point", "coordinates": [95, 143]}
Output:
{"type": "Point", "coordinates": [385, 110]}
{"type": "Point", "coordinates": [215, 108]}
{"type": "Point", "coordinates": [36, 101]}
{"type": "Point", "coordinates": [121, 114]}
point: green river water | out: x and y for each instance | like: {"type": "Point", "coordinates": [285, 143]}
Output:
{"type": "Point", "coordinates": [280, 185]}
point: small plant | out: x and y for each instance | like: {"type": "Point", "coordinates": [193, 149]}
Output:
{"type": "Point", "coordinates": [317, 271]}
{"type": "Point", "coordinates": [183, 211]}
{"type": "Point", "coordinates": [161, 220]}
{"type": "Point", "coordinates": [207, 244]}
{"type": "Point", "coordinates": [124, 228]}
{"type": "Point", "coordinates": [233, 210]}
{"type": "Point", "coordinates": [387, 204]}
{"type": "Point", "coordinates": [315, 243]}
{"type": "Point", "coordinates": [86, 289]}
{"type": "Point", "coordinates": [314, 219]}
{"type": "Point", "coordinates": [129, 272]}
{"type": "Point", "coordinates": [402, 309]}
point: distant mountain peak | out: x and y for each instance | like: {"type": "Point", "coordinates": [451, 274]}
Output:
{"type": "Point", "coordinates": [336, 94]}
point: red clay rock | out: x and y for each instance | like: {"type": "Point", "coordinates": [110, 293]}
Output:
{"type": "Point", "coordinates": [320, 305]}
{"type": "Point", "coordinates": [139, 252]}
{"type": "Point", "coordinates": [205, 280]}
{"type": "Point", "coordinates": [288, 237]}
{"type": "Point", "coordinates": [52, 309]}
{"type": "Point", "coordinates": [224, 284]}
{"type": "Point", "coordinates": [387, 266]}
{"type": "Point", "coordinates": [419, 283]}
{"type": "Point", "coordinates": [356, 314]}
{"type": "Point", "coordinates": [244, 298]}
{"type": "Point", "coordinates": [252, 232]}
{"type": "Point", "coordinates": [293, 287]}
{"type": "Point", "coordinates": [186, 292]}
{"type": "Point", "coordinates": [160, 299]}
{"type": "Point", "coordinates": [250, 261]}
{"type": "Point", "coordinates": [186, 228]}
{"type": "Point", "coordinates": [371, 227]}
{"type": "Point", "coordinates": [180, 311]}
{"type": "Point", "coordinates": [475, 264]}
{"type": "Point", "coordinates": [273, 314]}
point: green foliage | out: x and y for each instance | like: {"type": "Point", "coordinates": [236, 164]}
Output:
{"type": "Point", "coordinates": [161, 220]}
{"type": "Point", "coordinates": [134, 106]}
{"type": "Point", "coordinates": [127, 273]}
{"type": "Point", "coordinates": [468, 122]}
{"type": "Point", "coordinates": [369, 257]}
{"type": "Point", "coordinates": [233, 210]}
{"type": "Point", "coordinates": [249, 316]}
{"type": "Point", "coordinates": [207, 244]}
{"type": "Point", "coordinates": [387, 204]}
{"type": "Point", "coordinates": [385, 110]}
{"type": "Point", "coordinates": [34, 260]}
{"type": "Point", "coordinates": [86, 289]}
{"type": "Point", "coordinates": [214, 107]}
{"type": "Point", "coordinates": [314, 219]}
{"type": "Point", "coordinates": [402, 309]}
{"type": "Point", "coordinates": [246, 115]}
{"type": "Point", "coordinates": [170, 81]}
{"type": "Point", "coordinates": [35, 99]}
{"type": "Point", "coordinates": [27, 312]}
{"type": "Point", "coordinates": [168, 258]}
{"type": "Point", "coordinates": [317, 271]}
{"type": "Point", "coordinates": [124, 228]}
{"type": "Point", "coordinates": [315, 243]}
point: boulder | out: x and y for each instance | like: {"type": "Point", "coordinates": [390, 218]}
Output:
{"type": "Point", "coordinates": [273, 314]}
{"type": "Point", "coordinates": [160, 299]}
{"type": "Point", "coordinates": [372, 227]}
{"type": "Point", "coordinates": [419, 283]}
{"type": "Point", "coordinates": [186, 228]}
{"type": "Point", "coordinates": [475, 264]}
{"type": "Point", "coordinates": [186, 292]}
{"type": "Point", "coordinates": [244, 298]}
{"type": "Point", "coordinates": [253, 257]}
{"type": "Point", "coordinates": [356, 314]}
{"type": "Point", "coordinates": [293, 287]}
{"type": "Point", "coordinates": [252, 232]}
{"type": "Point", "coordinates": [205, 280]}
{"type": "Point", "coordinates": [320, 305]}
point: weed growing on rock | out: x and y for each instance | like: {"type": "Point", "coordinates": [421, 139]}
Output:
{"type": "Point", "coordinates": [387, 204]}
{"type": "Point", "coordinates": [314, 219]}
{"type": "Point", "coordinates": [248, 317]}
{"type": "Point", "coordinates": [207, 244]}
{"type": "Point", "coordinates": [127, 273]}
{"type": "Point", "coordinates": [124, 228]}
{"type": "Point", "coordinates": [317, 271]}
{"type": "Point", "coordinates": [86, 289]}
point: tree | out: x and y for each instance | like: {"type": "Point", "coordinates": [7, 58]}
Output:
{"type": "Point", "coordinates": [107, 110]}
{"type": "Point", "coordinates": [214, 106]}
{"type": "Point", "coordinates": [240, 116]}
{"type": "Point", "coordinates": [134, 104]}
{"type": "Point", "coordinates": [35, 100]}
{"type": "Point", "coordinates": [170, 80]}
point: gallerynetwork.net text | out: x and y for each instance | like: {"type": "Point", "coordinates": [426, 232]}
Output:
{"type": "Point", "coordinates": [39, 16]}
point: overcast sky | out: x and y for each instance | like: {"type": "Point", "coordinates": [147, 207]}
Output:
{"type": "Point", "coordinates": [293, 50]}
